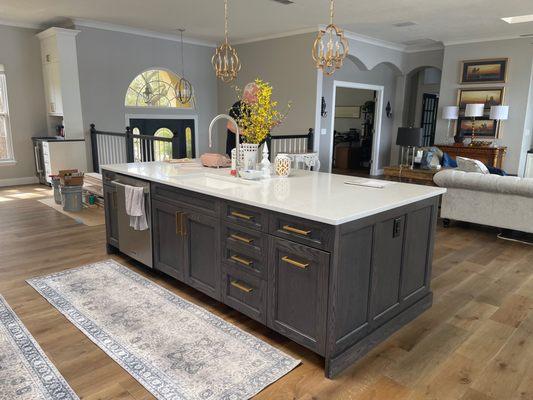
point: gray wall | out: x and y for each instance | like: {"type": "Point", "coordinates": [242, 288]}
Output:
{"type": "Point", "coordinates": [382, 75]}
{"type": "Point", "coordinates": [516, 132]}
{"type": "Point", "coordinates": [287, 64]}
{"type": "Point", "coordinates": [109, 61]}
{"type": "Point", "coordinates": [20, 54]}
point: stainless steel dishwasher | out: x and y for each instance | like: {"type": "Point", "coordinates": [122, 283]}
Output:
{"type": "Point", "coordinates": [136, 244]}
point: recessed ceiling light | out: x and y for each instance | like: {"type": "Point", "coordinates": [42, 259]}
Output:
{"type": "Point", "coordinates": [519, 19]}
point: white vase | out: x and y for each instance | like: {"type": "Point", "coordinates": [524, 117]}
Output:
{"type": "Point", "coordinates": [248, 155]}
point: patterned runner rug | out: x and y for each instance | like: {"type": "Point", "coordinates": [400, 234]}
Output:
{"type": "Point", "coordinates": [25, 371]}
{"type": "Point", "coordinates": [175, 349]}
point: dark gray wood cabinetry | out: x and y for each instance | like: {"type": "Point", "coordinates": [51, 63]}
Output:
{"type": "Point", "coordinates": [337, 290]}
{"type": "Point", "coordinates": [202, 252]}
{"type": "Point", "coordinates": [111, 215]}
{"type": "Point", "coordinates": [169, 244]}
{"type": "Point", "coordinates": [297, 292]}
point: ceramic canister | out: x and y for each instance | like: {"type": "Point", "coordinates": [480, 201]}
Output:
{"type": "Point", "coordinates": [282, 165]}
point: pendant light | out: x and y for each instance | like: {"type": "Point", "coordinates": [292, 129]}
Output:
{"type": "Point", "coordinates": [225, 60]}
{"type": "Point", "coordinates": [330, 47]}
{"type": "Point", "coordinates": [183, 87]}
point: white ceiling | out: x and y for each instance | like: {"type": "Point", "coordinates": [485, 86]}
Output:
{"type": "Point", "coordinates": [442, 21]}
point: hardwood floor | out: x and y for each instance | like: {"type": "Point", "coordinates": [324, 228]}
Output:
{"type": "Point", "coordinates": [475, 343]}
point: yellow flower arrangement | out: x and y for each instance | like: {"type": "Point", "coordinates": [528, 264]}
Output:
{"type": "Point", "coordinates": [259, 117]}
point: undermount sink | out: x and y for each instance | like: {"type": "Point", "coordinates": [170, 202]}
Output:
{"type": "Point", "coordinates": [215, 181]}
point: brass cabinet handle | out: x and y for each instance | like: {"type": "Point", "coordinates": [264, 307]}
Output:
{"type": "Point", "coordinates": [241, 260]}
{"type": "Point", "coordinates": [179, 226]}
{"type": "Point", "coordinates": [295, 263]}
{"type": "Point", "coordinates": [296, 230]}
{"type": "Point", "coordinates": [237, 214]}
{"type": "Point", "coordinates": [241, 286]}
{"type": "Point", "coordinates": [241, 238]}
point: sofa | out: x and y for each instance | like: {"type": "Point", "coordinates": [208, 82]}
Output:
{"type": "Point", "coordinates": [499, 201]}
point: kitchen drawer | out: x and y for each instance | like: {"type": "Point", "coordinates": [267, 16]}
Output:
{"type": "Point", "coordinates": [244, 292]}
{"type": "Point", "coordinates": [247, 216]}
{"type": "Point", "coordinates": [254, 264]}
{"type": "Point", "coordinates": [303, 231]}
{"type": "Point", "coordinates": [196, 201]}
{"type": "Point", "coordinates": [248, 241]}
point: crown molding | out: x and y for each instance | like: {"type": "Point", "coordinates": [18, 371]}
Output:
{"type": "Point", "coordinates": [374, 41]}
{"type": "Point", "coordinates": [277, 35]}
{"type": "Point", "coordinates": [18, 24]}
{"type": "Point", "coordinates": [489, 39]}
{"type": "Point", "coordinates": [87, 23]}
{"type": "Point", "coordinates": [421, 49]}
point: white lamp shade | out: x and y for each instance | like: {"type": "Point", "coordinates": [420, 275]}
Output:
{"type": "Point", "coordinates": [450, 112]}
{"type": "Point", "coordinates": [474, 110]}
{"type": "Point", "coordinates": [500, 113]}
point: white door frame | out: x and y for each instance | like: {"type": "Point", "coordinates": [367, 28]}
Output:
{"type": "Point", "coordinates": [169, 116]}
{"type": "Point", "coordinates": [377, 120]}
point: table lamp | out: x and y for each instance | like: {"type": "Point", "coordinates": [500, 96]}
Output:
{"type": "Point", "coordinates": [499, 113]}
{"type": "Point", "coordinates": [450, 113]}
{"type": "Point", "coordinates": [473, 111]}
{"type": "Point", "coordinates": [410, 138]}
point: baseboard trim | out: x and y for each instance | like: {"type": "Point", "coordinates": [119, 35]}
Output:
{"type": "Point", "coordinates": [27, 180]}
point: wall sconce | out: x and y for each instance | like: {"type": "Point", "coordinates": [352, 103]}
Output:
{"type": "Point", "coordinates": [388, 110]}
{"type": "Point", "coordinates": [323, 111]}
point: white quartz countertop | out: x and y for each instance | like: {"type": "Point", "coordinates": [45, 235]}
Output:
{"type": "Point", "coordinates": [316, 196]}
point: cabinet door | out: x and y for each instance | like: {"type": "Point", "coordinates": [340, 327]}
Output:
{"type": "Point", "coordinates": [111, 215]}
{"type": "Point", "coordinates": [297, 292]}
{"type": "Point", "coordinates": [168, 238]}
{"type": "Point", "coordinates": [202, 253]}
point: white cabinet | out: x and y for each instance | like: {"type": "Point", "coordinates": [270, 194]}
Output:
{"type": "Point", "coordinates": [61, 80]}
{"type": "Point", "coordinates": [52, 89]}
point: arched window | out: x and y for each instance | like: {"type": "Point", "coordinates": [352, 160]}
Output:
{"type": "Point", "coordinates": [163, 150]}
{"type": "Point", "coordinates": [155, 88]}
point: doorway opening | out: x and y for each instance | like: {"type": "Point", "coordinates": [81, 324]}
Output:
{"type": "Point", "coordinates": [180, 130]}
{"type": "Point", "coordinates": [422, 101]}
{"type": "Point", "coordinates": [356, 127]}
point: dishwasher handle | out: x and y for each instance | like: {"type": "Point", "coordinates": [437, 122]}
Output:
{"type": "Point", "coordinates": [117, 183]}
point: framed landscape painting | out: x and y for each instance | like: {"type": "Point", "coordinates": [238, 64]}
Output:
{"type": "Point", "coordinates": [490, 97]}
{"type": "Point", "coordinates": [484, 127]}
{"type": "Point", "coordinates": [484, 71]}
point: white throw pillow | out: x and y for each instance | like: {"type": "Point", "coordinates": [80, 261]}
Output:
{"type": "Point", "coordinates": [471, 165]}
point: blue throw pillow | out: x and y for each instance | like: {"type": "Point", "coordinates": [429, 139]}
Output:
{"type": "Point", "coordinates": [448, 162]}
{"type": "Point", "coordinates": [496, 171]}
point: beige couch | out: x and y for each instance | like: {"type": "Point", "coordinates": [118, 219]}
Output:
{"type": "Point", "coordinates": [499, 201]}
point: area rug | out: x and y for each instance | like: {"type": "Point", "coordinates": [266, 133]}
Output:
{"type": "Point", "coordinates": [93, 216]}
{"type": "Point", "coordinates": [175, 349]}
{"type": "Point", "coordinates": [25, 371]}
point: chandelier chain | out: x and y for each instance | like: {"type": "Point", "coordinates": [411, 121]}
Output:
{"type": "Point", "coordinates": [182, 58]}
{"type": "Point", "coordinates": [226, 20]}
{"type": "Point", "coordinates": [331, 11]}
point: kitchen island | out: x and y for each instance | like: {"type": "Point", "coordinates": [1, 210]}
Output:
{"type": "Point", "coordinates": [333, 262]}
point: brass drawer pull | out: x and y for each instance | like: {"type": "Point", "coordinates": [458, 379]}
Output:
{"type": "Point", "coordinates": [241, 260]}
{"type": "Point", "coordinates": [237, 214]}
{"type": "Point", "coordinates": [241, 239]}
{"type": "Point", "coordinates": [241, 286]}
{"type": "Point", "coordinates": [295, 263]}
{"type": "Point", "coordinates": [296, 230]}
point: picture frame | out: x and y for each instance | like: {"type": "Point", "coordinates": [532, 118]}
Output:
{"type": "Point", "coordinates": [485, 127]}
{"type": "Point", "coordinates": [489, 96]}
{"type": "Point", "coordinates": [484, 71]}
{"type": "Point", "coordinates": [348, 112]}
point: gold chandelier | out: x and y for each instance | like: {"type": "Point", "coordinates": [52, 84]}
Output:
{"type": "Point", "coordinates": [225, 60]}
{"type": "Point", "coordinates": [330, 47]}
{"type": "Point", "coordinates": [183, 88]}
